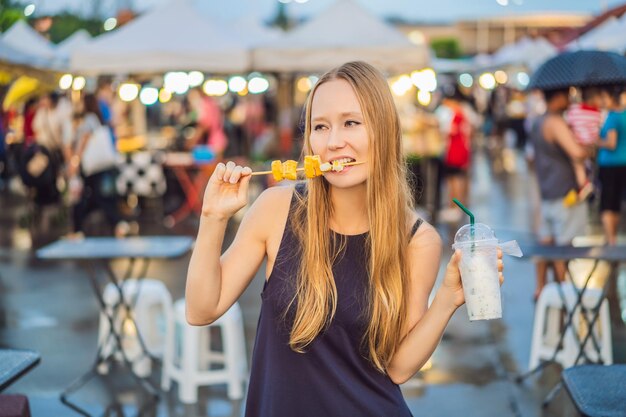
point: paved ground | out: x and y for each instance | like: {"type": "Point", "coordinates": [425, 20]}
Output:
{"type": "Point", "coordinates": [49, 307]}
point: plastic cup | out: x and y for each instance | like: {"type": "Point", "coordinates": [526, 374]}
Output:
{"type": "Point", "coordinates": [479, 271]}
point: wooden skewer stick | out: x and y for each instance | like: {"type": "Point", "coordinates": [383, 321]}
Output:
{"type": "Point", "coordinates": [269, 172]}
{"type": "Point", "coordinates": [302, 169]}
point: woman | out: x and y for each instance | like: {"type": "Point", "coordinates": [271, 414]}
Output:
{"type": "Point", "coordinates": [350, 266]}
{"type": "Point", "coordinates": [455, 126]}
{"type": "Point", "coordinates": [98, 188]}
{"type": "Point", "coordinates": [612, 165]}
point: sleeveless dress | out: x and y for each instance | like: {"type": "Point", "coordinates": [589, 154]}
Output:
{"type": "Point", "coordinates": [333, 377]}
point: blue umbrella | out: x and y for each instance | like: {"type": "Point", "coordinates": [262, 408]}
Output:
{"type": "Point", "coordinates": [580, 69]}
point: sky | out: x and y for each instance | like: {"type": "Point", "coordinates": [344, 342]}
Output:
{"type": "Point", "coordinates": [416, 10]}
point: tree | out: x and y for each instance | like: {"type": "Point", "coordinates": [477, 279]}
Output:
{"type": "Point", "coordinates": [11, 13]}
{"type": "Point", "coordinates": [66, 23]}
{"type": "Point", "coordinates": [446, 48]}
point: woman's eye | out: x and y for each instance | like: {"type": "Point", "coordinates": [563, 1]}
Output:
{"type": "Point", "coordinates": [318, 127]}
{"type": "Point", "coordinates": [351, 123]}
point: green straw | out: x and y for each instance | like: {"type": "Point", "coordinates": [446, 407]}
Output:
{"type": "Point", "coordinates": [462, 207]}
{"type": "Point", "coordinates": [471, 216]}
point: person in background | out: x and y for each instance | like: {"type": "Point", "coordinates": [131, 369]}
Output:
{"type": "Point", "coordinates": [209, 122]}
{"type": "Point", "coordinates": [612, 164]}
{"type": "Point", "coordinates": [51, 124]}
{"type": "Point", "coordinates": [28, 113]}
{"type": "Point", "coordinates": [585, 119]}
{"type": "Point", "coordinates": [345, 315]}
{"type": "Point", "coordinates": [556, 149]}
{"type": "Point", "coordinates": [98, 189]}
{"type": "Point", "coordinates": [105, 95]}
{"type": "Point", "coordinates": [456, 129]}
{"type": "Point", "coordinates": [4, 160]}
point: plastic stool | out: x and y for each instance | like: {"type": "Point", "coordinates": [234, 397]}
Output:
{"type": "Point", "coordinates": [190, 355]}
{"type": "Point", "coordinates": [550, 318]}
{"type": "Point", "coordinates": [151, 307]}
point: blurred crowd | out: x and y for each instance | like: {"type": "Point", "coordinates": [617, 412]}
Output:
{"type": "Point", "coordinates": [44, 143]}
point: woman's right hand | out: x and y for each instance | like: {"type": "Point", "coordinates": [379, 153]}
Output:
{"type": "Point", "coordinates": [227, 191]}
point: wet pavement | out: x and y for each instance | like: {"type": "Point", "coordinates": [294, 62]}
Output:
{"type": "Point", "coordinates": [49, 307]}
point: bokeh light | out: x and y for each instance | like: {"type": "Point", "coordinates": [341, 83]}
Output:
{"type": "Point", "coordinates": [65, 81]}
{"type": "Point", "coordinates": [237, 84]}
{"type": "Point", "coordinates": [149, 96]}
{"type": "Point", "coordinates": [258, 85]}
{"type": "Point", "coordinates": [487, 81]}
{"type": "Point", "coordinates": [128, 92]}
{"type": "Point", "coordinates": [176, 82]}
{"type": "Point", "coordinates": [29, 10]}
{"type": "Point", "coordinates": [523, 79]}
{"type": "Point", "coordinates": [501, 77]}
{"type": "Point", "coordinates": [466, 80]}
{"type": "Point", "coordinates": [78, 83]}
{"type": "Point", "coordinates": [215, 87]}
{"type": "Point", "coordinates": [164, 95]}
{"type": "Point", "coordinates": [195, 78]}
{"type": "Point", "coordinates": [424, 97]}
{"type": "Point", "coordinates": [110, 24]}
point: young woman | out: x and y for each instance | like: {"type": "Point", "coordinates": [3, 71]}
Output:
{"type": "Point", "coordinates": [99, 188]}
{"type": "Point", "coordinates": [350, 266]}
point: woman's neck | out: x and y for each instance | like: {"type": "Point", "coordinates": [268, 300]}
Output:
{"type": "Point", "coordinates": [349, 210]}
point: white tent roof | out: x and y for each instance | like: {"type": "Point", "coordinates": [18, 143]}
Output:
{"type": "Point", "coordinates": [22, 37]}
{"type": "Point", "coordinates": [175, 36]}
{"type": "Point", "coordinates": [76, 40]}
{"type": "Point", "coordinates": [609, 36]}
{"type": "Point", "coordinates": [526, 51]}
{"type": "Point", "coordinates": [344, 32]}
{"type": "Point", "coordinates": [15, 56]}
{"type": "Point", "coordinates": [252, 32]}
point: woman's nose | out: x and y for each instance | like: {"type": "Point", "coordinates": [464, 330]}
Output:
{"type": "Point", "coordinates": [335, 140]}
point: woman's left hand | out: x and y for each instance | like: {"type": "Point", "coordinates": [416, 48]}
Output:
{"type": "Point", "coordinates": [452, 281]}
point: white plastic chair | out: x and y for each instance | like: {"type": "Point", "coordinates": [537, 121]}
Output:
{"type": "Point", "coordinates": [151, 308]}
{"type": "Point", "coordinates": [550, 319]}
{"type": "Point", "coordinates": [191, 356]}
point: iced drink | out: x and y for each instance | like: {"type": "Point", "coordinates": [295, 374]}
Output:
{"type": "Point", "coordinates": [479, 271]}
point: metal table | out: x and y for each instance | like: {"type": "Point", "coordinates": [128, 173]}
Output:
{"type": "Point", "coordinates": [14, 363]}
{"type": "Point", "coordinates": [614, 255]}
{"type": "Point", "coordinates": [97, 253]}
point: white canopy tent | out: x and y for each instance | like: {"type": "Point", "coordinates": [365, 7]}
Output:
{"type": "Point", "coordinates": [12, 55]}
{"type": "Point", "coordinates": [528, 52]}
{"type": "Point", "coordinates": [76, 40]}
{"type": "Point", "coordinates": [251, 32]}
{"type": "Point", "coordinates": [29, 43]}
{"type": "Point", "coordinates": [344, 32]}
{"type": "Point", "coordinates": [174, 36]}
{"type": "Point", "coordinates": [609, 36]}
{"type": "Point", "coordinates": [64, 50]}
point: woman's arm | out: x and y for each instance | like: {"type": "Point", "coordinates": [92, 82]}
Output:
{"type": "Point", "coordinates": [214, 283]}
{"type": "Point", "coordinates": [73, 156]}
{"type": "Point", "coordinates": [427, 324]}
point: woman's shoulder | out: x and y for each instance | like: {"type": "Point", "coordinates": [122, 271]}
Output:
{"type": "Point", "coordinates": [422, 235]}
{"type": "Point", "coordinates": [274, 200]}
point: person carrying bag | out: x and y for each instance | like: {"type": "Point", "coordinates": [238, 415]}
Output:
{"type": "Point", "coordinates": [94, 158]}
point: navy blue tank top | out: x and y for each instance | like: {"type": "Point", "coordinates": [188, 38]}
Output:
{"type": "Point", "coordinates": [333, 377]}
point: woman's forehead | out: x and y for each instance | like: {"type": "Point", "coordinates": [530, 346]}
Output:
{"type": "Point", "coordinates": [335, 96]}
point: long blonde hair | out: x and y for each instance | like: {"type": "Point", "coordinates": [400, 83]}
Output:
{"type": "Point", "coordinates": [388, 198]}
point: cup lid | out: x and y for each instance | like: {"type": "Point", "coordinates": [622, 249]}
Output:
{"type": "Point", "coordinates": [479, 232]}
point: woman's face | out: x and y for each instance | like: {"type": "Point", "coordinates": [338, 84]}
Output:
{"type": "Point", "coordinates": [338, 132]}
